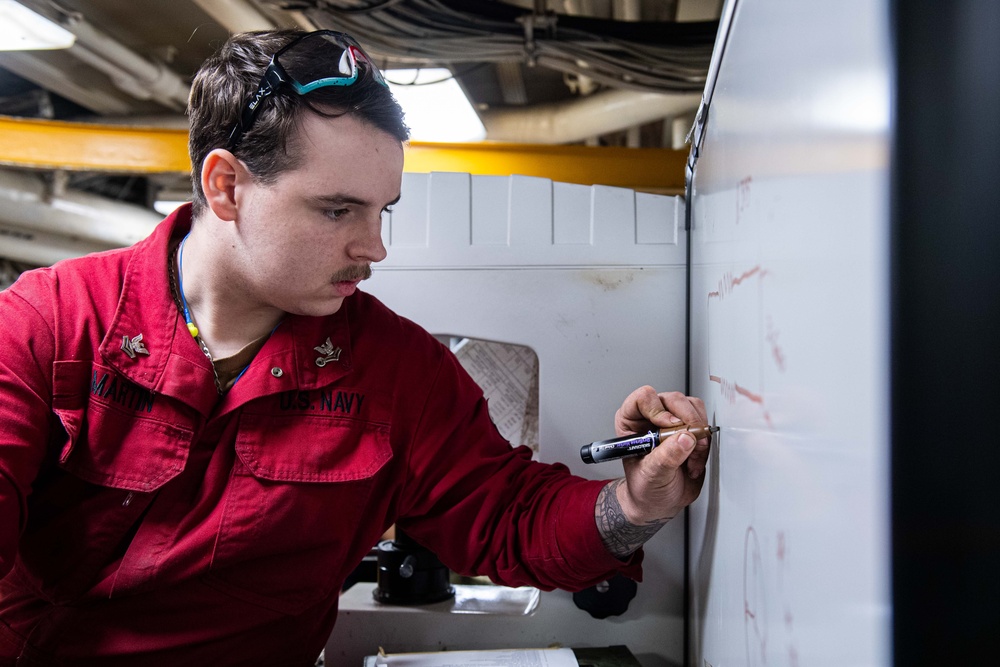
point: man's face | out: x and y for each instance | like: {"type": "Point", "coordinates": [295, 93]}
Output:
{"type": "Point", "coordinates": [306, 240]}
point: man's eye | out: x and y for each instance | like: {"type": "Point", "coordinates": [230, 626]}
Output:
{"type": "Point", "coordinates": [337, 213]}
{"type": "Point", "coordinates": [387, 209]}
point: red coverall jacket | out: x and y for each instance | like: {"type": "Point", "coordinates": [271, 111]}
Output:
{"type": "Point", "coordinates": [145, 520]}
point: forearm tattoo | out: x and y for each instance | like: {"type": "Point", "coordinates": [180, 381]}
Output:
{"type": "Point", "coordinates": [620, 536]}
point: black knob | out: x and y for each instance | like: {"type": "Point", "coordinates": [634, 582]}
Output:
{"type": "Point", "coordinates": [410, 574]}
{"type": "Point", "coordinates": [608, 598]}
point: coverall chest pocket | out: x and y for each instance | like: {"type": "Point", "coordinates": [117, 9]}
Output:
{"type": "Point", "coordinates": [294, 515]}
{"type": "Point", "coordinates": [117, 435]}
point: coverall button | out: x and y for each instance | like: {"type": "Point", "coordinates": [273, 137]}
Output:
{"type": "Point", "coordinates": [277, 372]}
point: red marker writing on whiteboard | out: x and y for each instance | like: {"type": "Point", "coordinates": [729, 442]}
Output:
{"type": "Point", "coordinates": [638, 445]}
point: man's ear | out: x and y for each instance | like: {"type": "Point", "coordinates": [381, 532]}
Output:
{"type": "Point", "coordinates": [218, 182]}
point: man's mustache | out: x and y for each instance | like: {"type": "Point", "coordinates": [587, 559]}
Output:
{"type": "Point", "coordinates": [353, 273]}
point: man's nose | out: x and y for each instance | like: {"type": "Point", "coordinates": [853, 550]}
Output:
{"type": "Point", "coordinates": [368, 246]}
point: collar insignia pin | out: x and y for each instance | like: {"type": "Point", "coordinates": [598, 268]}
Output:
{"type": "Point", "coordinates": [329, 353]}
{"type": "Point", "coordinates": [133, 346]}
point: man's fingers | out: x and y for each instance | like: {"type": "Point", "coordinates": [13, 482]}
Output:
{"type": "Point", "coordinates": [642, 407]}
{"type": "Point", "coordinates": [687, 409]}
{"type": "Point", "coordinates": [674, 451]}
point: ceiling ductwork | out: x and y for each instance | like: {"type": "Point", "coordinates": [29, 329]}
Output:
{"type": "Point", "coordinates": [575, 121]}
{"type": "Point", "coordinates": [662, 56]}
{"type": "Point", "coordinates": [43, 222]}
{"type": "Point", "coordinates": [133, 74]}
{"type": "Point", "coordinates": [235, 15]}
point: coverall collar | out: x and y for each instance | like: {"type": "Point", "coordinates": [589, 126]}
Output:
{"type": "Point", "coordinates": [148, 341]}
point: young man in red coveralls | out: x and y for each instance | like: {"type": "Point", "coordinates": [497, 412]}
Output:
{"type": "Point", "coordinates": [202, 435]}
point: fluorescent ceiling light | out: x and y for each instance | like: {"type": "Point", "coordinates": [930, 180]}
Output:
{"type": "Point", "coordinates": [22, 30]}
{"type": "Point", "coordinates": [436, 108]}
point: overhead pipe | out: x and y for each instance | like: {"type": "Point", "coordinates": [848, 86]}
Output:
{"type": "Point", "coordinates": [235, 15]}
{"type": "Point", "coordinates": [144, 79]}
{"type": "Point", "coordinates": [243, 16]}
{"type": "Point", "coordinates": [594, 115]}
{"type": "Point", "coordinates": [130, 72]}
{"type": "Point", "coordinates": [30, 204]}
{"type": "Point", "coordinates": [135, 75]}
{"type": "Point", "coordinates": [626, 10]}
{"type": "Point", "coordinates": [37, 68]}
{"type": "Point", "coordinates": [39, 248]}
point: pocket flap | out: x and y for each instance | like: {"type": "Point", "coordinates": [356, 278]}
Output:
{"type": "Point", "coordinates": [305, 448]}
{"type": "Point", "coordinates": [114, 437]}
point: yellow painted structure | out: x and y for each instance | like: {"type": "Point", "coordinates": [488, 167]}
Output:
{"type": "Point", "coordinates": [648, 169]}
{"type": "Point", "coordinates": [44, 144]}
{"type": "Point", "coordinates": [41, 144]}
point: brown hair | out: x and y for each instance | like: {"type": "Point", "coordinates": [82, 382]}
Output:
{"type": "Point", "coordinates": [225, 82]}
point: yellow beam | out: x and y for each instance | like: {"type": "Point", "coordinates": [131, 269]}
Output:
{"type": "Point", "coordinates": [41, 144]}
{"type": "Point", "coordinates": [638, 168]}
{"type": "Point", "coordinates": [47, 144]}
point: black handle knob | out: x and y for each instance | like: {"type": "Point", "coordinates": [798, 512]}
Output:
{"type": "Point", "coordinates": [608, 598]}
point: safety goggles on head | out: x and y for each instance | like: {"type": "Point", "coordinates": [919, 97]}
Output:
{"type": "Point", "coordinates": [314, 60]}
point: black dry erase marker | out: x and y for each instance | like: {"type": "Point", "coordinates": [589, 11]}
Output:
{"type": "Point", "coordinates": [638, 445]}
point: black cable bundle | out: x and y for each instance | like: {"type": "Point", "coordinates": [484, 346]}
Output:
{"type": "Point", "coordinates": [640, 55]}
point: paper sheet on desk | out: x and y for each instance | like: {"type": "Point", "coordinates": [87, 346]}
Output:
{"type": "Point", "coordinates": [551, 657]}
{"type": "Point", "coordinates": [508, 376]}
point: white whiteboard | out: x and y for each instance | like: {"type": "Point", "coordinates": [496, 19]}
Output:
{"type": "Point", "coordinates": [789, 543]}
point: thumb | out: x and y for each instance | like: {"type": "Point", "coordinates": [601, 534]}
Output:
{"type": "Point", "coordinates": [675, 450]}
